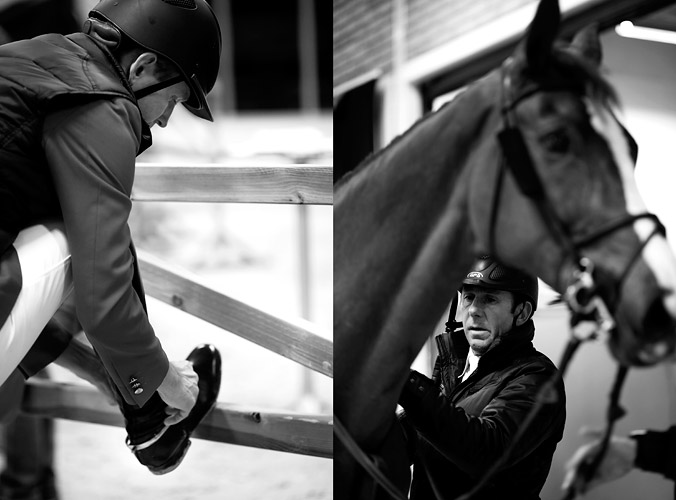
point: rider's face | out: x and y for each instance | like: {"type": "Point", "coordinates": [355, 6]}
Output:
{"type": "Point", "coordinates": [487, 315]}
{"type": "Point", "coordinates": [156, 108]}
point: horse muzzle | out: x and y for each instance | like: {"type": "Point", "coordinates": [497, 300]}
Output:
{"type": "Point", "coordinates": [631, 315]}
{"type": "Point", "coordinates": [651, 341]}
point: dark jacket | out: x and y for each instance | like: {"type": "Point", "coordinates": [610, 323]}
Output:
{"type": "Point", "coordinates": [462, 428]}
{"type": "Point", "coordinates": [70, 130]}
{"type": "Point", "coordinates": [656, 452]}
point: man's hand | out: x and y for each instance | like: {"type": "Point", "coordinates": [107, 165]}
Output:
{"type": "Point", "coordinates": [618, 461]}
{"type": "Point", "coordinates": [179, 390]}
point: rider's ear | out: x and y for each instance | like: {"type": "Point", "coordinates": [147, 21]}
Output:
{"type": "Point", "coordinates": [541, 35]}
{"type": "Point", "coordinates": [524, 313]}
{"type": "Point", "coordinates": [586, 42]}
{"type": "Point", "coordinates": [142, 63]}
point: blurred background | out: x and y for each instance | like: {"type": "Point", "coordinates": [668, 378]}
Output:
{"type": "Point", "coordinates": [395, 60]}
{"type": "Point", "coordinates": [271, 107]}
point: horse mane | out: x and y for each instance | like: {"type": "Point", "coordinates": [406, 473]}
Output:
{"type": "Point", "coordinates": [568, 60]}
{"type": "Point", "coordinates": [374, 156]}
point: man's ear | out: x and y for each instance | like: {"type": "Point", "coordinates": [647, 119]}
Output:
{"type": "Point", "coordinates": [523, 314]}
{"type": "Point", "coordinates": [142, 65]}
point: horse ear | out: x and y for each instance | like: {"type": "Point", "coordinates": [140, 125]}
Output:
{"type": "Point", "coordinates": [541, 35]}
{"type": "Point", "coordinates": [586, 42]}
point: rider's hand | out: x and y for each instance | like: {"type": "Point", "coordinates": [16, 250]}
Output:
{"type": "Point", "coordinates": [618, 461]}
{"type": "Point", "coordinates": [179, 390]}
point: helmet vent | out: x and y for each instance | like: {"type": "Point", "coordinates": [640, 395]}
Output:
{"type": "Point", "coordinates": [499, 273]}
{"type": "Point", "coordinates": [184, 4]}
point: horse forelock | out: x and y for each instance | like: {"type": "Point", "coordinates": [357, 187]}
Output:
{"type": "Point", "coordinates": [567, 69]}
{"type": "Point", "coordinates": [588, 73]}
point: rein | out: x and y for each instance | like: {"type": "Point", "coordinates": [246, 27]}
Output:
{"type": "Point", "coordinates": [365, 461]}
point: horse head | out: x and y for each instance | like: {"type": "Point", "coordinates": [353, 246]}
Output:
{"type": "Point", "coordinates": [566, 187]}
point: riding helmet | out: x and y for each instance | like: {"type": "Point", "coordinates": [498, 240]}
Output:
{"type": "Point", "coordinates": [184, 31]}
{"type": "Point", "coordinates": [489, 273]}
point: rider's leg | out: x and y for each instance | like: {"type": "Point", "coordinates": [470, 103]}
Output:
{"type": "Point", "coordinates": [46, 279]}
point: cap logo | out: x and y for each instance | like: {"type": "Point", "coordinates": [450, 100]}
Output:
{"type": "Point", "coordinates": [475, 274]}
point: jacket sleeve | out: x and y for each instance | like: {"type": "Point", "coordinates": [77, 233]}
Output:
{"type": "Point", "coordinates": [656, 451]}
{"type": "Point", "coordinates": [474, 443]}
{"type": "Point", "coordinates": [91, 152]}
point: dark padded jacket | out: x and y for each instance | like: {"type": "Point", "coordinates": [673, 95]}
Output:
{"type": "Point", "coordinates": [458, 430]}
{"type": "Point", "coordinates": [656, 452]}
{"type": "Point", "coordinates": [70, 131]}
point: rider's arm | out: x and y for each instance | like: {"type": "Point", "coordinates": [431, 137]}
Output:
{"type": "Point", "coordinates": [472, 442]}
{"type": "Point", "coordinates": [91, 151]}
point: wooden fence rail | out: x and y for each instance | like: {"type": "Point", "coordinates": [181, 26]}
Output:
{"type": "Point", "coordinates": [293, 433]}
{"type": "Point", "coordinates": [175, 288]}
{"type": "Point", "coordinates": [308, 184]}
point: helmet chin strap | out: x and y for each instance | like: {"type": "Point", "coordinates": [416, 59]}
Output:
{"type": "Point", "coordinates": [157, 87]}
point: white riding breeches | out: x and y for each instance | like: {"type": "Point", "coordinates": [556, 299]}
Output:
{"type": "Point", "coordinates": [46, 281]}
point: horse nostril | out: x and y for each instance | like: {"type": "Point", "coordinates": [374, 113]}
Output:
{"type": "Point", "coordinates": [660, 349]}
{"type": "Point", "coordinates": [658, 329]}
{"type": "Point", "coordinates": [657, 322]}
{"type": "Point", "coordinates": [653, 353]}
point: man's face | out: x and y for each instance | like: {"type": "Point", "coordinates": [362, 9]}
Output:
{"type": "Point", "coordinates": [486, 316]}
{"type": "Point", "coordinates": [157, 107]}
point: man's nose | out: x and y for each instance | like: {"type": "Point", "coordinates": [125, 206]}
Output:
{"type": "Point", "coordinates": [163, 120]}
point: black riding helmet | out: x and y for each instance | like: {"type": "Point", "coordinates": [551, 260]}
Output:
{"type": "Point", "coordinates": [489, 273]}
{"type": "Point", "coordinates": [184, 31]}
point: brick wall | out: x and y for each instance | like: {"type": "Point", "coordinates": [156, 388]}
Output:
{"type": "Point", "coordinates": [362, 29]}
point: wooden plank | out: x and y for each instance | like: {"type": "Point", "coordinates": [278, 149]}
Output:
{"type": "Point", "coordinates": [294, 342]}
{"type": "Point", "coordinates": [288, 432]}
{"type": "Point", "coordinates": [310, 184]}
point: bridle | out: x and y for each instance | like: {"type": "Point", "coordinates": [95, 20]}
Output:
{"type": "Point", "coordinates": [590, 316]}
{"type": "Point", "coordinates": [581, 294]}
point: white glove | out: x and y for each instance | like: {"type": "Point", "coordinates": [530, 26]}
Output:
{"type": "Point", "coordinates": [618, 460]}
{"type": "Point", "coordinates": [179, 390]}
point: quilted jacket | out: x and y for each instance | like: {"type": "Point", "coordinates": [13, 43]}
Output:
{"type": "Point", "coordinates": [458, 430]}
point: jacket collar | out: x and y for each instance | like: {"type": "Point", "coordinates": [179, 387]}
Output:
{"type": "Point", "coordinates": [455, 345]}
{"type": "Point", "coordinates": [83, 40]}
{"type": "Point", "coordinates": [515, 342]}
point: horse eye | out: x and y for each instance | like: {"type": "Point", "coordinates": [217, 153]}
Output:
{"type": "Point", "coordinates": [556, 142]}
